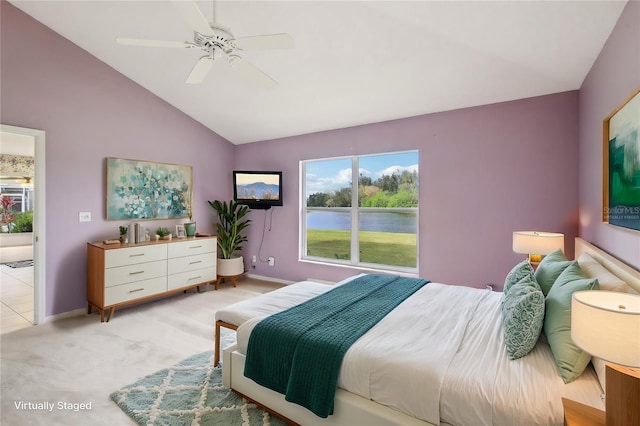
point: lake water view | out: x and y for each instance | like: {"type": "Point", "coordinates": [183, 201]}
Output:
{"type": "Point", "coordinates": [370, 221]}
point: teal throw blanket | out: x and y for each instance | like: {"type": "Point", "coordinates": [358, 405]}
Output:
{"type": "Point", "coordinates": [298, 352]}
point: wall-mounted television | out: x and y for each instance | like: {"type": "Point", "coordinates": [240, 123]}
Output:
{"type": "Point", "coordinates": [257, 189]}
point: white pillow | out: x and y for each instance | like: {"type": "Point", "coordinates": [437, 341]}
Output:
{"type": "Point", "coordinates": [593, 269]}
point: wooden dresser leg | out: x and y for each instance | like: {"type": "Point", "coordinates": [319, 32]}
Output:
{"type": "Point", "coordinates": [111, 313]}
{"type": "Point", "coordinates": [101, 315]}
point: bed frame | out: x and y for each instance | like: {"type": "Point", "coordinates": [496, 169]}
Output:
{"type": "Point", "coordinates": [352, 409]}
{"type": "Point", "coordinates": [617, 267]}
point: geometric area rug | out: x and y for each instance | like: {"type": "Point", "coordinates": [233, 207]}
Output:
{"type": "Point", "coordinates": [189, 393]}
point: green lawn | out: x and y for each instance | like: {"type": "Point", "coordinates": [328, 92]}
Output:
{"type": "Point", "coordinates": [383, 248]}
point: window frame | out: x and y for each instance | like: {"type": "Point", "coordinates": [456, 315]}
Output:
{"type": "Point", "coordinates": [355, 210]}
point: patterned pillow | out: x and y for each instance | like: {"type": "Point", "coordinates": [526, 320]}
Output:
{"type": "Point", "coordinates": [522, 316]}
{"type": "Point", "coordinates": [520, 271]}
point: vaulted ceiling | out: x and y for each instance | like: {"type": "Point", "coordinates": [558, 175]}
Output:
{"type": "Point", "coordinates": [354, 62]}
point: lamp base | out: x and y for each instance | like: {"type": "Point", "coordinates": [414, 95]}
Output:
{"type": "Point", "coordinates": [623, 394]}
{"type": "Point", "coordinates": [535, 258]}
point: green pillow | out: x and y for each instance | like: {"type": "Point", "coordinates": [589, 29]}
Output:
{"type": "Point", "coordinates": [522, 316]}
{"type": "Point", "coordinates": [520, 271]}
{"type": "Point", "coordinates": [570, 359]}
{"type": "Point", "coordinates": [550, 269]}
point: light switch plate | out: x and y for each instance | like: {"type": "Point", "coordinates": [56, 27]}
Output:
{"type": "Point", "coordinates": [84, 217]}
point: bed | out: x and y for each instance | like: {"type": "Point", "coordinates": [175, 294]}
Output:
{"type": "Point", "coordinates": [468, 378]}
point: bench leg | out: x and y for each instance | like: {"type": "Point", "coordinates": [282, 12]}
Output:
{"type": "Point", "coordinates": [216, 355]}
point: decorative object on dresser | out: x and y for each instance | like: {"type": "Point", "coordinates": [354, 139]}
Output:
{"type": "Point", "coordinates": [123, 275]}
{"type": "Point", "coordinates": [231, 224]}
{"type": "Point", "coordinates": [164, 233]}
{"type": "Point", "coordinates": [123, 234]}
{"type": "Point", "coordinates": [606, 324]}
{"type": "Point", "coordinates": [621, 164]}
{"type": "Point", "coordinates": [189, 227]}
{"type": "Point", "coordinates": [536, 244]}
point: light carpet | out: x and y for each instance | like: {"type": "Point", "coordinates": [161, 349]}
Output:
{"type": "Point", "coordinates": [189, 393]}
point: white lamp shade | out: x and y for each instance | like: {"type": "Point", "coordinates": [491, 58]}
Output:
{"type": "Point", "coordinates": [534, 242]}
{"type": "Point", "coordinates": [606, 324]}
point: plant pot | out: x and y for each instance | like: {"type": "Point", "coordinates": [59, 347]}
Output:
{"type": "Point", "coordinates": [230, 267]}
{"type": "Point", "coordinates": [124, 239]}
{"type": "Point", "coordinates": [190, 229]}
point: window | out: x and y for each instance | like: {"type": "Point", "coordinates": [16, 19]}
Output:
{"type": "Point", "coordinates": [361, 211]}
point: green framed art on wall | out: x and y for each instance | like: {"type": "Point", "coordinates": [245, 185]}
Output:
{"type": "Point", "coordinates": [144, 190]}
{"type": "Point", "coordinates": [621, 164]}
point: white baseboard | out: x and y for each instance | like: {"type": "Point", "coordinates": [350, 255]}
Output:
{"type": "Point", "coordinates": [265, 278]}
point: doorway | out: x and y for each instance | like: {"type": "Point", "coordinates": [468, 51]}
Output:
{"type": "Point", "coordinates": [29, 191]}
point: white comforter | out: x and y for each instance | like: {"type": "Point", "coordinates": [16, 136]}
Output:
{"type": "Point", "coordinates": [440, 356]}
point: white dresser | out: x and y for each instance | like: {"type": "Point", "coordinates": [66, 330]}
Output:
{"type": "Point", "coordinates": [123, 274]}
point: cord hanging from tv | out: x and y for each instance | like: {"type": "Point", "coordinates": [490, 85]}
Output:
{"type": "Point", "coordinates": [259, 190]}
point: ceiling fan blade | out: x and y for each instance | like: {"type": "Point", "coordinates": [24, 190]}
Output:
{"type": "Point", "coordinates": [200, 70]}
{"type": "Point", "coordinates": [250, 72]}
{"type": "Point", "coordinates": [192, 14]}
{"type": "Point", "coordinates": [152, 43]}
{"type": "Point", "coordinates": [265, 42]}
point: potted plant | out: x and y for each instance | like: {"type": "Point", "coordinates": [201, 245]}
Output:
{"type": "Point", "coordinates": [123, 234]}
{"type": "Point", "coordinates": [231, 223]}
{"type": "Point", "coordinates": [164, 233]}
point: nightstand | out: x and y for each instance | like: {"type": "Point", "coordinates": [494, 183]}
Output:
{"type": "Point", "coordinates": [577, 414]}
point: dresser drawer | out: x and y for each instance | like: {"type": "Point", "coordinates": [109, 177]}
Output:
{"type": "Point", "coordinates": [133, 255]}
{"type": "Point", "coordinates": [186, 279]}
{"type": "Point", "coordinates": [191, 247]}
{"type": "Point", "coordinates": [135, 290]}
{"type": "Point", "coordinates": [131, 273]}
{"type": "Point", "coordinates": [191, 263]}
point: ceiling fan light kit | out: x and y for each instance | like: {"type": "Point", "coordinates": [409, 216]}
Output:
{"type": "Point", "coordinates": [218, 41]}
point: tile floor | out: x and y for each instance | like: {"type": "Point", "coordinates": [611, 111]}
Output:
{"type": "Point", "coordinates": [16, 298]}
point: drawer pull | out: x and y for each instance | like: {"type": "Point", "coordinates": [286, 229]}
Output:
{"type": "Point", "coordinates": [136, 255]}
{"type": "Point", "coordinates": [194, 262]}
{"type": "Point", "coordinates": [195, 278]}
{"type": "Point", "coordinates": [136, 273]}
{"type": "Point", "coordinates": [195, 247]}
{"type": "Point", "coordinates": [137, 289]}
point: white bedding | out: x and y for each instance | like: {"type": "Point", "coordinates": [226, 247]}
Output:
{"type": "Point", "coordinates": [272, 302]}
{"type": "Point", "coordinates": [440, 357]}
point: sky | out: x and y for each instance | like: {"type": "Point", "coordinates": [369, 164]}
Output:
{"type": "Point", "coordinates": [329, 175]}
{"type": "Point", "coordinates": [269, 178]}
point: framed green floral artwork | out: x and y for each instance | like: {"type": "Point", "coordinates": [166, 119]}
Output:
{"type": "Point", "coordinates": [621, 165]}
{"type": "Point", "coordinates": [144, 190]}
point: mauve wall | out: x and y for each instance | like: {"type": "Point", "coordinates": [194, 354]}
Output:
{"type": "Point", "coordinates": [484, 173]}
{"type": "Point", "coordinates": [613, 77]}
{"type": "Point", "coordinates": [90, 112]}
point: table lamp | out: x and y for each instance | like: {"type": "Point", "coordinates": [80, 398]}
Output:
{"type": "Point", "coordinates": [536, 244]}
{"type": "Point", "coordinates": [606, 324]}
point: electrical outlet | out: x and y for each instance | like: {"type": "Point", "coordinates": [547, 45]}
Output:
{"type": "Point", "coordinates": [254, 260]}
{"type": "Point", "coordinates": [84, 217]}
{"type": "Point", "coordinates": [272, 261]}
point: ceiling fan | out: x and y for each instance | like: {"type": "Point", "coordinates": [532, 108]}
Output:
{"type": "Point", "coordinates": [218, 43]}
